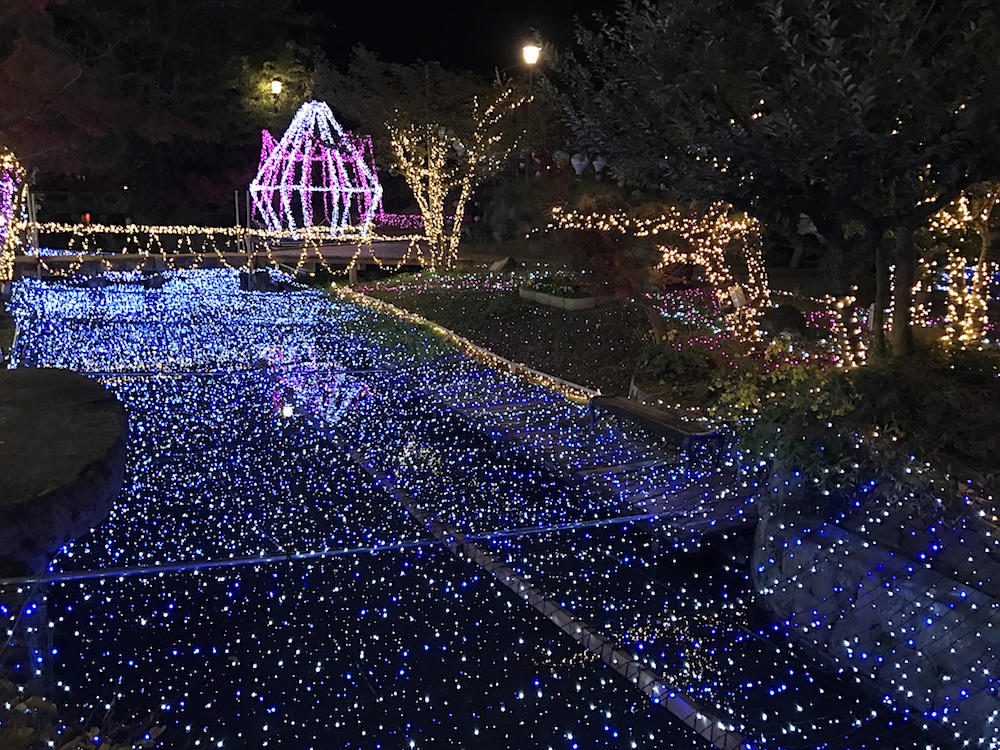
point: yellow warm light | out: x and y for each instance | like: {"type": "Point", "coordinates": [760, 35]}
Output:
{"type": "Point", "coordinates": [531, 52]}
{"type": "Point", "coordinates": [569, 390]}
{"type": "Point", "coordinates": [706, 236]}
{"type": "Point", "coordinates": [435, 163]}
{"type": "Point", "coordinates": [12, 233]}
{"type": "Point", "coordinates": [276, 87]}
{"type": "Point", "coordinates": [224, 245]}
{"type": "Point", "coordinates": [968, 299]}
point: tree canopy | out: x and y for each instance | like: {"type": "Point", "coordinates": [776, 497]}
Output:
{"type": "Point", "coordinates": [374, 94]}
{"type": "Point", "coordinates": [163, 97]}
{"type": "Point", "coordinates": [444, 131]}
{"type": "Point", "coordinates": [835, 123]}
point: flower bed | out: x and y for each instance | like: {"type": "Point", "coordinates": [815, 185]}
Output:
{"type": "Point", "coordinates": [565, 303]}
{"type": "Point", "coordinates": [560, 292]}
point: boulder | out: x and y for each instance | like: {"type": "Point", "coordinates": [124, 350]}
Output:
{"type": "Point", "coordinates": [62, 453]}
{"type": "Point", "coordinates": [504, 264]}
{"type": "Point", "coordinates": [784, 320]}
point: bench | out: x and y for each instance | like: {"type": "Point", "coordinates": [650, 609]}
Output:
{"type": "Point", "coordinates": [659, 421]}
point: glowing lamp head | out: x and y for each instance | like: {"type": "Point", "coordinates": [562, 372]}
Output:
{"type": "Point", "coordinates": [531, 52]}
{"type": "Point", "coordinates": [287, 410]}
{"type": "Point", "coordinates": [276, 86]}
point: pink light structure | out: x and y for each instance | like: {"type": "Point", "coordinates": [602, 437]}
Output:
{"type": "Point", "coordinates": [318, 174]}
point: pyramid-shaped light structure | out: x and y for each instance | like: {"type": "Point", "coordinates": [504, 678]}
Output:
{"type": "Point", "coordinates": [318, 174]}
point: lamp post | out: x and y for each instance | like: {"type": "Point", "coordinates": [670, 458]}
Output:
{"type": "Point", "coordinates": [276, 87]}
{"type": "Point", "coordinates": [530, 53]}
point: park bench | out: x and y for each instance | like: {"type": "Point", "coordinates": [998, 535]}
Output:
{"type": "Point", "coordinates": [659, 421]}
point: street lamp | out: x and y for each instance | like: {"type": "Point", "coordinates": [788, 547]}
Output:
{"type": "Point", "coordinates": [530, 53]}
{"type": "Point", "coordinates": [276, 87]}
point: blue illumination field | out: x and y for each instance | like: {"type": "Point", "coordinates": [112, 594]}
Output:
{"type": "Point", "coordinates": [361, 631]}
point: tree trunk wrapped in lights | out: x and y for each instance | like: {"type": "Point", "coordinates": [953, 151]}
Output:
{"type": "Point", "coordinates": [437, 163]}
{"type": "Point", "coordinates": [13, 190]}
{"type": "Point", "coordinates": [967, 303]}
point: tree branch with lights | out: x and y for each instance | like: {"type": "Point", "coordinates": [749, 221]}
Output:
{"type": "Point", "coordinates": [971, 214]}
{"type": "Point", "coordinates": [701, 238]}
{"type": "Point", "coordinates": [437, 164]}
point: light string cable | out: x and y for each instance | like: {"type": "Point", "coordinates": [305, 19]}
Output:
{"type": "Point", "coordinates": [233, 562]}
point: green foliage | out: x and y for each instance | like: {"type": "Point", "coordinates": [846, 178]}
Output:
{"type": "Point", "coordinates": [668, 364]}
{"type": "Point", "coordinates": [914, 426]}
{"type": "Point", "coordinates": [30, 722]}
{"type": "Point", "coordinates": [862, 116]}
{"type": "Point", "coordinates": [945, 405]}
{"type": "Point", "coordinates": [147, 94]}
{"type": "Point", "coordinates": [511, 208]}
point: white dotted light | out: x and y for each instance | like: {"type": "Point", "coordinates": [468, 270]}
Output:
{"type": "Point", "coordinates": [254, 586]}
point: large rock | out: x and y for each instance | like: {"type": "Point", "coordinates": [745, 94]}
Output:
{"type": "Point", "coordinates": [784, 320]}
{"type": "Point", "coordinates": [504, 264]}
{"type": "Point", "coordinates": [62, 459]}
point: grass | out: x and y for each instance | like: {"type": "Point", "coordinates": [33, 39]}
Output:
{"type": "Point", "coordinates": [597, 348]}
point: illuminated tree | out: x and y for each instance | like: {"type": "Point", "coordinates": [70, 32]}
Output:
{"type": "Point", "coordinates": [860, 119]}
{"type": "Point", "coordinates": [971, 213]}
{"type": "Point", "coordinates": [373, 93]}
{"type": "Point", "coordinates": [12, 193]}
{"type": "Point", "coordinates": [701, 238]}
{"type": "Point", "coordinates": [439, 164]}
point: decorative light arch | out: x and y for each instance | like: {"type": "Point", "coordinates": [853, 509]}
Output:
{"type": "Point", "coordinates": [318, 174]}
{"type": "Point", "coordinates": [13, 188]}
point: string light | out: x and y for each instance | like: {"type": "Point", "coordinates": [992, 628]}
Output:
{"type": "Point", "coordinates": [402, 645]}
{"type": "Point", "coordinates": [181, 246]}
{"type": "Point", "coordinates": [706, 235]}
{"type": "Point", "coordinates": [13, 191]}
{"type": "Point", "coordinates": [316, 159]}
{"type": "Point", "coordinates": [436, 163]}
{"type": "Point", "coordinates": [968, 290]}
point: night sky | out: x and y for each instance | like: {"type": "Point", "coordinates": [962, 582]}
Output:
{"type": "Point", "coordinates": [479, 36]}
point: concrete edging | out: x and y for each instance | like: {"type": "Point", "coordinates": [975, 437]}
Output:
{"type": "Point", "coordinates": [563, 303]}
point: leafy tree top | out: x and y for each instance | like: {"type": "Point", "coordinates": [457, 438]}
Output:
{"type": "Point", "coordinates": [783, 107]}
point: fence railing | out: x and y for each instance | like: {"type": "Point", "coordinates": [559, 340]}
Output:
{"type": "Point", "coordinates": [173, 246]}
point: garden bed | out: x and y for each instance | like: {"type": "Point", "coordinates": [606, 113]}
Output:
{"type": "Point", "coordinates": [563, 303]}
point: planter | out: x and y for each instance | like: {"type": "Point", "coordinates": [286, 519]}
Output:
{"type": "Point", "coordinates": [563, 303]}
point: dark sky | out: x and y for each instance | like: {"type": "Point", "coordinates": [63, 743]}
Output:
{"type": "Point", "coordinates": [479, 35]}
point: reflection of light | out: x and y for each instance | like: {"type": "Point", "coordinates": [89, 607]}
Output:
{"type": "Point", "coordinates": [287, 410]}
